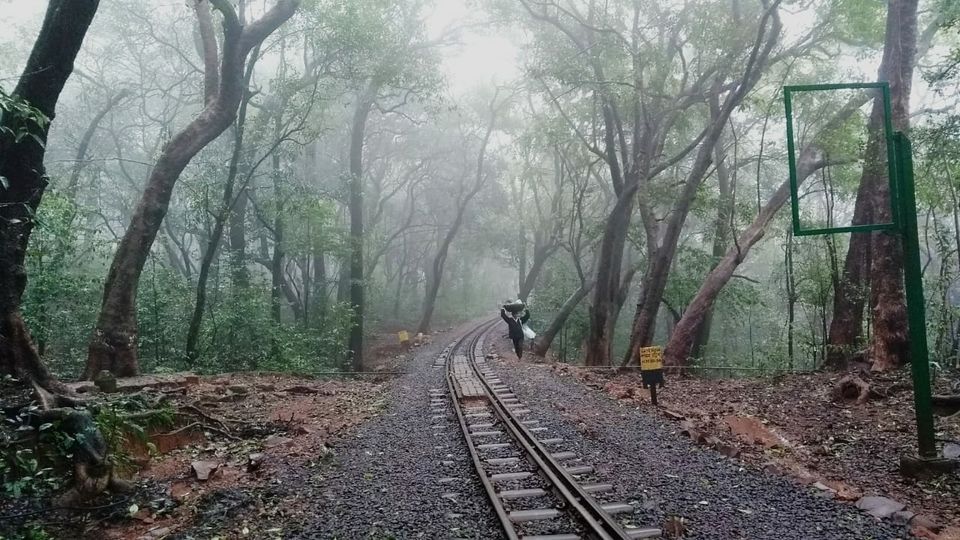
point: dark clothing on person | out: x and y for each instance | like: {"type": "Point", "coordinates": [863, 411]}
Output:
{"type": "Point", "coordinates": [515, 327]}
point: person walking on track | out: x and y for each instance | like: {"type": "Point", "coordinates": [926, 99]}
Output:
{"type": "Point", "coordinates": [515, 324]}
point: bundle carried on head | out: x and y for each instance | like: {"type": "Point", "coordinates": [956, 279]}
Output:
{"type": "Point", "coordinates": [514, 306]}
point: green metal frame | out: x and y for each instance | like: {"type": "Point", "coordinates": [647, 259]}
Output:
{"type": "Point", "coordinates": [904, 212]}
{"type": "Point", "coordinates": [913, 288]}
{"type": "Point", "coordinates": [884, 88]}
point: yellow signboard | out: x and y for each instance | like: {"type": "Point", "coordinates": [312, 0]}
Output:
{"type": "Point", "coordinates": [404, 336]}
{"type": "Point", "coordinates": [651, 358]}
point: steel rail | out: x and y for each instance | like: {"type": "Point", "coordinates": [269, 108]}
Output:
{"type": "Point", "coordinates": [474, 455]}
{"type": "Point", "coordinates": [600, 524]}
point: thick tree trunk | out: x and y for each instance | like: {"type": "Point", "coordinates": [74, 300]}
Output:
{"type": "Point", "coordinates": [879, 255]}
{"type": "Point", "coordinates": [602, 320]}
{"type": "Point", "coordinates": [113, 345]}
{"type": "Point", "coordinates": [890, 347]}
{"type": "Point", "coordinates": [849, 299]}
{"type": "Point", "coordinates": [358, 128]}
{"type": "Point", "coordinates": [720, 240]}
{"type": "Point", "coordinates": [21, 165]}
{"type": "Point", "coordinates": [238, 241]}
{"type": "Point", "coordinates": [543, 342]}
{"type": "Point", "coordinates": [658, 271]}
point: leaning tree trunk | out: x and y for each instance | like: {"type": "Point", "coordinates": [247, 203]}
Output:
{"type": "Point", "coordinates": [889, 347]}
{"type": "Point", "coordinates": [543, 342]}
{"type": "Point", "coordinates": [21, 166]}
{"type": "Point", "coordinates": [655, 280]}
{"type": "Point", "coordinates": [725, 208]}
{"type": "Point", "coordinates": [681, 341]}
{"type": "Point", "coordinates": [436, 277]}
{"type": "Point", "coordinates": [113, 345]}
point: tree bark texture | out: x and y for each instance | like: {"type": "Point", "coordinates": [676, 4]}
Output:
{"type": "Point", "coordinates": [889, 347]}
{"type": "Point", "coordinates": [21, 165]}
{"type": "Point", "coordinates": [725, 208]}
{"type": "Point", "coordinates": [113, 345]}
{"type": "Point", "coordinates": [877, 257]}
{"type": "Point", "coordinates": [358, 129]}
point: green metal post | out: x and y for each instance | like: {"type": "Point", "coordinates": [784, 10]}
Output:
{"type": "Point", "coordinates": [913, 283]}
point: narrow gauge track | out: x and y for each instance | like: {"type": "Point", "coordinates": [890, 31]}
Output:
{"type": "Point", "coordinates": [489, 413]}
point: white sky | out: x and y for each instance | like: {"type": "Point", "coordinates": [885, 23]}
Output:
{"type": "Point", "coordinates": [484, 54]}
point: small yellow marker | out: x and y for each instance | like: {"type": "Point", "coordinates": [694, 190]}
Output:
{"type": "Point", "coordinates": [651, 358]}
{"type": "Point", "coordinates": [651, 370]}
{"type": "Point", "coordinates": [404, 337]}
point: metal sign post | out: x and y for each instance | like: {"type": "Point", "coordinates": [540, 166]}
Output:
{"type": "Point", "coordinates": [904, 213]}
{"type": "Point", "coordinates": [913, 287]}
{"type": "Point", "coordinates": [651, 370]}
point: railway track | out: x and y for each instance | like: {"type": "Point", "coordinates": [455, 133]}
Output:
{"type": "Point", "coordinates": [538, 491]}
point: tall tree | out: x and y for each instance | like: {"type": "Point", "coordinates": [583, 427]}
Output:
{"type": "Point", "coordinates": [24, 126]}
{"type": "Point", "coordinates": [662, 251]}
{"type": "Point", "coordinates": [878, 255]}
{"type": "Point", "coordinates": [465, 194]}
{"type": "Point", "coordinates": [113, 345]}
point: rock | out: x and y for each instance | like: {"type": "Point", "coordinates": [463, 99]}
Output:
{"type": "Point", "coordinates": [265, 387]}
{"type": "Point", "coordinates": [302, 390]}
{"type": "Point", "coordinates": [843, 491]}
{"type": "Point", "coordinates": [879, 507]}
{"type": "Point", "coordinates": [204, 469]}
{"type": "Point", "coordinates": [902, 517]}
{"type": "Point", "coordinates": [926, 522]}
{"type": "Point", "coordinates": [159, 532]}
{"type": "Point", "coordinates": [752, 430]}
{"type": "Point", "coordinates": [254, 461]}
{"type": "Point", "coordinates": [950, 533]}
{"type": "Point", "coordinates": [274, 441]}
{"type": "Point", "coordinates": [951, 450]}
{"type": "Point", "coordinates": [673, 415]}
{"type": "Point", "coordinates": [825, 489]}
{"type": "Point", "coordinates": [106, 381]}
{"type": "Point", "coordinates": [238, 389]}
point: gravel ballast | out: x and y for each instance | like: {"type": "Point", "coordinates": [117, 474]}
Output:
{"type": "Point", "coordinates": [406, 473]}
{"type": "Point", "coordinates": [665, 476]}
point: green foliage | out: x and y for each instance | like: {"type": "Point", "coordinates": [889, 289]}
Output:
{"type": "Point", "coordinates": [63, 293]}
{"type": "Point", "coordinates": [26, 119]}
{"type": "Point", "coordinates": [122, 418]}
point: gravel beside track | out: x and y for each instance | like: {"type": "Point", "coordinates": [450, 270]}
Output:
{"type": "Point", "coordinates": [406, 473]}
{"type": "Point", "coordinates": [665, 475]}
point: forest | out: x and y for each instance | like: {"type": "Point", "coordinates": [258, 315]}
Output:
{"type": "Point", "coordinates": [220, 186]}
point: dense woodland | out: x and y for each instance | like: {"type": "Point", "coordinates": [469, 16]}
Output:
{"type": "Point", "coordinates": [264, 185]}
{"type": "Point", "coordinates": [234, 185]}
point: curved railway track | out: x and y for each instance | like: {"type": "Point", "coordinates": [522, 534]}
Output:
{"type": "Point", "coordinates": [535, 489]}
